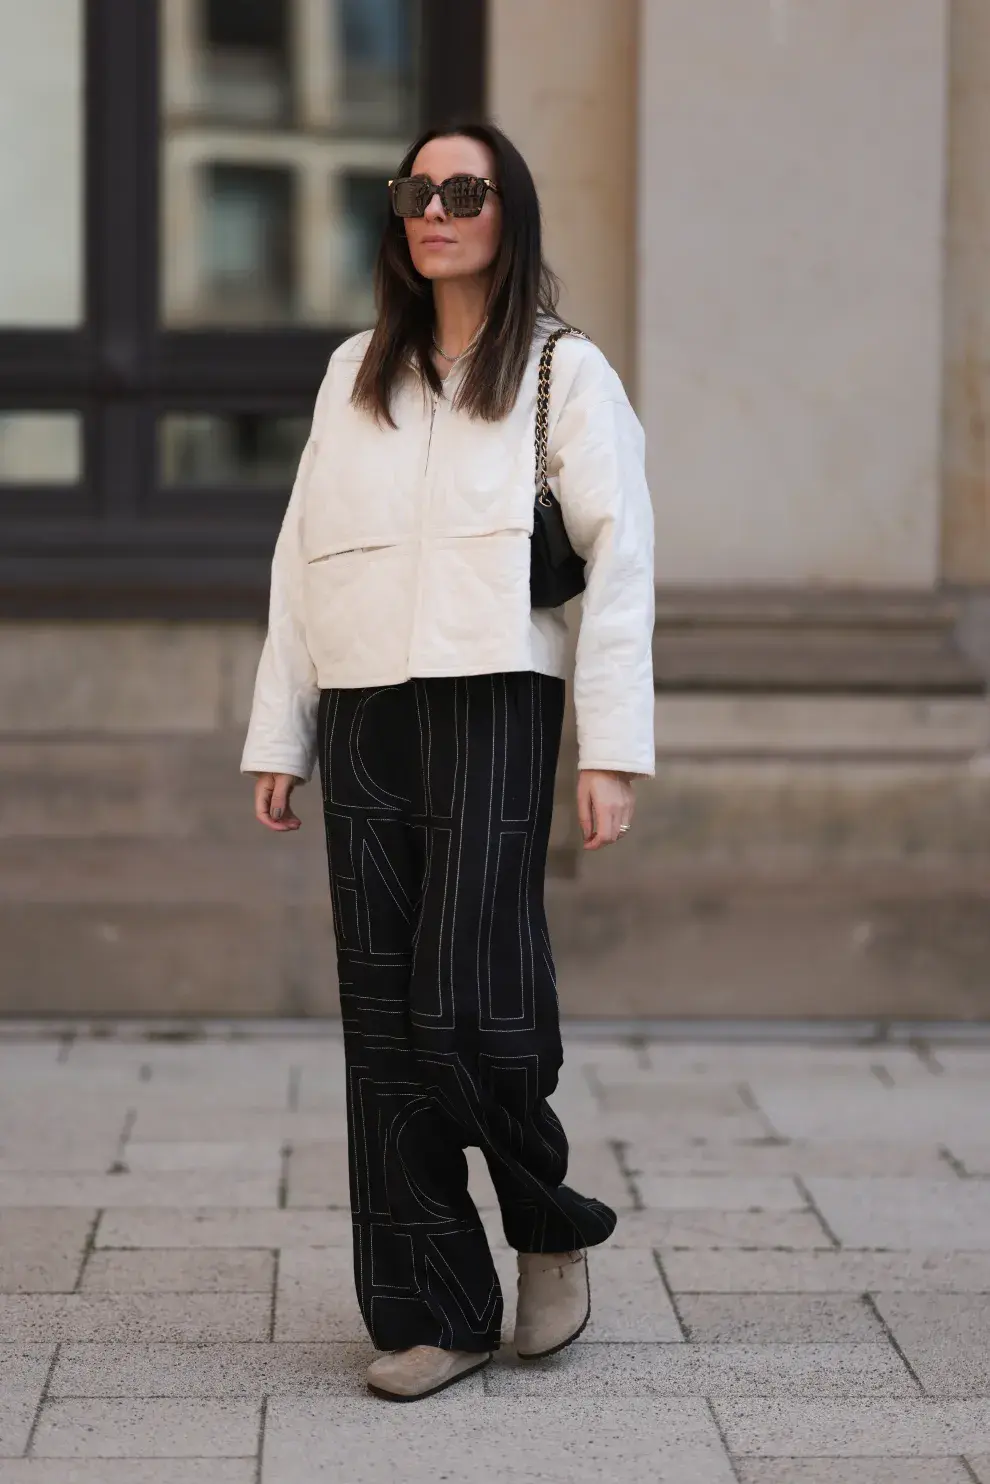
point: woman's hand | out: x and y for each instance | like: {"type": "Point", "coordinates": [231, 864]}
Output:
{"type": "Point", "coordinates": [271, 801]}
{"type": "Point", "coordinates": [605, 803]}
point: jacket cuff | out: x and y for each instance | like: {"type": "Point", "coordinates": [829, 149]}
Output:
{"type": "Point", "coordinates": [299, 766]}
{"type": "Point", "coordinates": [635, 769]}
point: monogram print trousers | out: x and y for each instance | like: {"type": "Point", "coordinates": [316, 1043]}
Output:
{"type": "Point", "coordinates": [437, 800]}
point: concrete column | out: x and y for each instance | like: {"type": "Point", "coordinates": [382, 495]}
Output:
{"type": "Point", "coordinates": [314, 45]}
{"type": "Point", "coordinates": [317, 221]}
{"type": "Point", "coordinates": [790, 288]}
{"type": "Point", "coordinates": [966, 469]}
{"type": "Point", "coordinates": [182, 264]}
{"type": "Point", "coordinates": [41, 167]}
{"type": "Point", "coordinates": [562, 85]}
{"type": "Point", "coordinates": [180, 43]}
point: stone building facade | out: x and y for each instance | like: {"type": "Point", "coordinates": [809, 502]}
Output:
{"type": "Point", "coordinates": [774, 216]}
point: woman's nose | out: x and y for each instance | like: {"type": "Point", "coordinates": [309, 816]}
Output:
{"type": "Point", "coordinates": [434, 208]}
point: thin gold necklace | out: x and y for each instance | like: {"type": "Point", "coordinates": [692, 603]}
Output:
{"type": "Point", "coordinates": [453, 359]}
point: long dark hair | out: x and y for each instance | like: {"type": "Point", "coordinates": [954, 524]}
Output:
{"type": "Point", "coordinates": [522, 288]}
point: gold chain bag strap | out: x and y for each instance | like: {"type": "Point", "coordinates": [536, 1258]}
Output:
{"type": "Point", "coordinates": [556, 571]}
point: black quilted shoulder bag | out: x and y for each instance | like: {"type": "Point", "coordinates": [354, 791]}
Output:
{"type": "Point", "coordinates": [556, 572]}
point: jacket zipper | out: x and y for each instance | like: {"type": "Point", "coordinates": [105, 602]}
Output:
{"type": "Point", "coordinates": [429, 441]}
{"type": "Point", "coordinates": [422, 526]}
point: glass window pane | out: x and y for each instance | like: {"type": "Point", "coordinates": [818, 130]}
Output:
{"type": "Point", "coordinates": [361, 224]}
{"type": "Point", "coordinates": [41, 170]}
{"type": "Point", "coordinates": [40, 448]}
{"type": "Point", "coordinates": [247, 248]}
{"type": "Point", "coordinates": [282, 121]}
{"type": "Point", "coordinates": [377, 39]}
{"type": "Point", "coordinates": [232, 449]}
{"type": "Point", "coordinates": [244, 60]}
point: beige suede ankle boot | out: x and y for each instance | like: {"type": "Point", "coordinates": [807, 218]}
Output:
{"type": "Point", "coordinates": [409, 1375]}
{"type": "Point", "coordinates": [554, 1301]}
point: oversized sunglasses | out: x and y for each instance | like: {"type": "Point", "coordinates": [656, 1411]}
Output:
{"type": "Point", "coordinates": [460, 195]}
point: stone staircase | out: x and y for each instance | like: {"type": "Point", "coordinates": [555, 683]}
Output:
{"type": "Point", "coordinates": [816, 841]}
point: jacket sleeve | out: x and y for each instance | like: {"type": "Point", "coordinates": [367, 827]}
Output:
{"type": "Point", "coordinates": [281, 735]}
{"type": "Point", "coordinates": [597, 453]}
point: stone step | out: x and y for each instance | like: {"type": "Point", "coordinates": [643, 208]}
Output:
{"type": "Point", "coordinates": [813, 813]}
{"type": "Point", "coordinates": [774, 725]}
{"type": "Point", "coordinates": [768, 659]}
{"type": "Point", "coordinates": [870, 944]}
{"type": "Point", "coordinates": [892, 609]}
{"type": "Point", "coordinates": [903, 643]}
{"type": "Point", "coordinates": [731, 944]}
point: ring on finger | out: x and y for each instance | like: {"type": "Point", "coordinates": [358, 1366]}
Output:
{"type": "Point", "coordinates": [624, 829]}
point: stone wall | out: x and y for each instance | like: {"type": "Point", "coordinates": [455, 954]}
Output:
{"type": "Point", "coordinates": [562, 83]}
{"type": "Point", "coordinates": [790, 286]}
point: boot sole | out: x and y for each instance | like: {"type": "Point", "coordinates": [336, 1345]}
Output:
{"type": "Point", "coordinates": [555, 1349]}
{"type": "Point", "coordinates": [395, 1396]}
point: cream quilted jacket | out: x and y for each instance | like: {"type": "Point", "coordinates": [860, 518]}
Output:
{"type": "Point", "coordinates": [406, 552]}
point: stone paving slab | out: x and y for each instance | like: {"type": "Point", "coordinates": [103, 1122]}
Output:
{"type": "Point", "coordinates": [317, 1175]}
{"type": "Point", "coordinates": [180, 1271]}
{"type": "Point", "coordinates": [663, 1096]}
{"type": "Point", "coordinates": [706, 1370]}
{"type": "Point", "coordinates": [248, 1053]}
{"type": "Point", "coordinates": [827, 1272]}
{"type": "Point", "coordinates": [17, 1409]}
{"type": "Point", "coordinates": [42, 1251]}
{"type": "Point", "coordinates": [669, 1134]}
{"type": "Point", "coordinates": [946, 1338]}
{"type": "Point", "coordinates": [706, 1229]}
{"type": "Point", "coordinates": [224, 1227]}
{"type": "Point", "coordinates": [721, 1192]}
{"type": "Point", "coordinates": [316, 1299]}
{"type": "Point", "coordinates": [34, 1318]}
{"type": "Point", "coordinates": [128, 1471]}
{"type": "Point", "coordinates": [503, 1441]}
{"type": "Point", "coordinates": [593, 1169]}
{"type": "Point", "coordinates": [82, 1152]}
{"type": "Point", "coordinates": [130, 1428]}
{"type": "Point", "coordinates": [212, 1370]}
{"type": "Point", "coordinates": [777, 1318]}
{"type": "Point", "coordinates": [964, 1061]}
{"type": "Point", "coordinates": [734, 1061]}
{"type": "Point", "coordinates": [972, 1155]}
{"type": "Point", "coordinates": [23, 1369]}
{"type": "Point", "coordinates": [629, 1298]}
{"type": "Point", "coordinates": [980, 1466]}
{"type": "Point", "coordinates": [765, 1157]}
{"type": "Point", "coordinates": [262, 1156]}
{"type": "Point", "coordinates": [849, 1471]}
{"type": "Point", "coordinates": [180, 1124]}
{"type": "Point", "coordinates": [942, 1110]}
{"type": "Point", "coordinates": [180, 1188]}
{"type": "Point", "coordinates": [906, 1213]}
{"type": "Point", "coordinates": [778, 1428]}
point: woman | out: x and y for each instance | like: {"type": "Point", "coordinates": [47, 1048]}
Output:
{"type": "Point", "coordinates": [403, 654]}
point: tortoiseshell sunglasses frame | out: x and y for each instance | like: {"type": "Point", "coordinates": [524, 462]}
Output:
{"type": "Point", "coordinates": [441, 191]}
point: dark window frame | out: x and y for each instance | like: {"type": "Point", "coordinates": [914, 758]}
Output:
{"type": "Point", "coordinates": [115, 545]}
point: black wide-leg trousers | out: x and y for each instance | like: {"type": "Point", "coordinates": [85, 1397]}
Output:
{"type": "Point", "coordinates": [437, 799]}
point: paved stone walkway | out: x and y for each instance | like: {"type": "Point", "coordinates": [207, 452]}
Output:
{"type": "Point", "coordinates": [798, 1291]}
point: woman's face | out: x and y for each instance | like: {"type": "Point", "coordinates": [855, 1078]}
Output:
{"type": "Point", "coordinates": [443, 246]}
